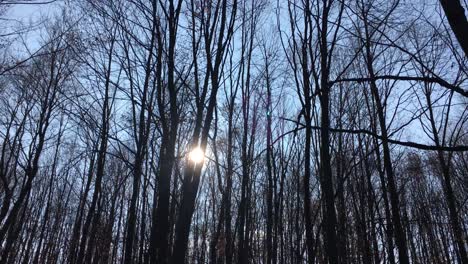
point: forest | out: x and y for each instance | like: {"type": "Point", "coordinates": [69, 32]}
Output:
{"type": "Point", "coordinates": [233, 131]}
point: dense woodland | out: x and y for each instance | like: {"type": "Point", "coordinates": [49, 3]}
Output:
{"type": "Point", "coordinates": [334, 131]}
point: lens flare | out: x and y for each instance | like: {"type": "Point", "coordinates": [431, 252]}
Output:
{"type": "Point", "coordinates": [197, 155]}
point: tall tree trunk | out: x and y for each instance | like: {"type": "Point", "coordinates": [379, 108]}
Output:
{"type": "Point", "coordinates": [457, 19]}
{"type": "Point", "coordinates": [458, 232]}
{"type": "Point", "coordinates": [400, 236]}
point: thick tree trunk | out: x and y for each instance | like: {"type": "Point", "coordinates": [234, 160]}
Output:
{"type": "Point", "coordinates": [457, 19]}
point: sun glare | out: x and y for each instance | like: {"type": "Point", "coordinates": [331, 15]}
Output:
{"type": "Point", "coordinates": [197, 155]}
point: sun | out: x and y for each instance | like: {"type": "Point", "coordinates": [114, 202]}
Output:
{"type": "Point", "coordinates": [197, 155]}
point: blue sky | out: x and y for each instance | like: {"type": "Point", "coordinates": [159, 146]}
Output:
{"type": "Point", "coordinates": [27, 12]}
